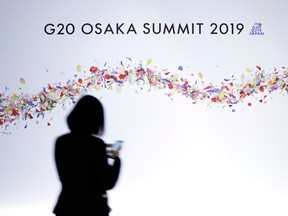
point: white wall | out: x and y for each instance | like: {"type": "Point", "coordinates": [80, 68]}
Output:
{"type": "Point", "coordinates": [178, 158]}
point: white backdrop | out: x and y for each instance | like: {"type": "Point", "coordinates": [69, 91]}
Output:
{"type": "Point", "coordinates": [178, 157]}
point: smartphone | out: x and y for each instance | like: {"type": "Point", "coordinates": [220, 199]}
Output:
{"type": "Point", "coordinates": [117, 145]}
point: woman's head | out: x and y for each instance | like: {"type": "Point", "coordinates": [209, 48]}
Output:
{"type": "Point", "coordinates": [87, 116]}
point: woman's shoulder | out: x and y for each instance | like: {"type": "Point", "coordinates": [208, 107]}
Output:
{"type": "Point", "coordinates": [64, 137]}
{"type": "Point", "coordinates": [84, 138]}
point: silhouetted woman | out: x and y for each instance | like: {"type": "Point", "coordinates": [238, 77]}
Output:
{"type": "Point", "coordinates": [82, 164]}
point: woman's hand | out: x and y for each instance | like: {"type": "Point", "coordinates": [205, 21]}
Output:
{"type": "Point", "coordinates": [115, 154]}
{"type": "Point", "coordinates": [112, 153]}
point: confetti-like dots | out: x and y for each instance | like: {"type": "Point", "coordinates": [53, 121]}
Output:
{"type": "Point", "coordinates": [230, 92]}
{"type": "Point", "coordinates": [78, 68]}
{"type": "Point", "coordinates": [149, 61]}
{"type": "Point", "coordinates": [94, 69]}
{"type": "Point", "coordinates": [200, 75]}
{"type": "Point", "coordinates": [22, 81]}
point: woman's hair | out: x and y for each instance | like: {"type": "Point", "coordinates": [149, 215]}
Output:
{"type": "Point", "coordinates": [87, 116]}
